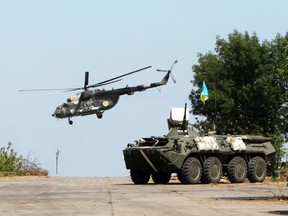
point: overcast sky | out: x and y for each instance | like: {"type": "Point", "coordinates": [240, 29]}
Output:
{"type": "Point", "coordinates": [50, 44]}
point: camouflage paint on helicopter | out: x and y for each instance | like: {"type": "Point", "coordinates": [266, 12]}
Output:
{"type": "Point", "coordinates": [86, 103]}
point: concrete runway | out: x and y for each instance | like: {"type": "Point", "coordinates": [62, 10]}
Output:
{"type": "Point", "coordinates": [111, 196]}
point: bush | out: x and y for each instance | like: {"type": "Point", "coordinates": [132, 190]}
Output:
{"type": "Point", "coordinates": [9, 161]}
{"type": "Point", "coordinates": [31, 168]}
{"type": "Point", "coordinates": [11, 164]}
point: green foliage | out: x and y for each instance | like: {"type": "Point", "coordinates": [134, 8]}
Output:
{"type": "Point", "coordinates": [247, 82]}
{"type": "Point", "coordinates": [9, 161]}
{"type": "Point", "coordinates": [277, 140]}
{"type": "Point", "coordinates": [11, 164]}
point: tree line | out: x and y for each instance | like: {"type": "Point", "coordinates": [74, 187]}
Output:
{"type": "Point", "coordinates": [247, 81]}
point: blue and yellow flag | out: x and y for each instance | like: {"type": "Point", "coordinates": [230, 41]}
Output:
{"type": "Point", "coordinates": [204, 94]}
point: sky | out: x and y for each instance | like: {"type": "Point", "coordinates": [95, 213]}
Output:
{"type": "Point", "coordinates": [50, 44]}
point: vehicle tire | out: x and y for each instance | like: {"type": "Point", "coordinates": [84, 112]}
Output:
{"type": "Point", "coordinates": [212, 170]}
{"type": "Point", "coordinates": [180, 177]}
{"type": "Point", "coordinates": [257, 170]}
{"type": "Point", "coordinates": [237, 170]}
{"type": "Point", "coordinates": [161, 178]}
{"type": "Point", "coordinates": [191, 171]}
{"type": "Point", "coordinates": [139, 177]}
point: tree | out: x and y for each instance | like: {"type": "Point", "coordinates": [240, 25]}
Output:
{"type": "Point", "coordinates": [9, 161]}
{"type": "Point", "coordinates": [248, 87]}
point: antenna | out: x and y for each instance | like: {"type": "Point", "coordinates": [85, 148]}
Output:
{"type": "Point", "coordinates": [57, 157]}
{"type": "Point", "coordinates": [86, 80]}
{"type": "Point", "coordinates": [184, 122]}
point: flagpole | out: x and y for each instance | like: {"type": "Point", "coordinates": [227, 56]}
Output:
{"type": "Point", "coordinates": [214, 126]}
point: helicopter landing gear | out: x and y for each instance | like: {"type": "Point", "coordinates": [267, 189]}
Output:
{"type": "Point", "coordinates": [70, 121]}
{"type": "Point", "coordinates": [99, 115]}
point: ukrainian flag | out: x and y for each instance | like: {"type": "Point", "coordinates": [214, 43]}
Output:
{"type": "Point", "coordinates": [204, 94]}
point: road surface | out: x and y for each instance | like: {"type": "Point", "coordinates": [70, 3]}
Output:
{"type": "Point", "coordinates": [113, 196]}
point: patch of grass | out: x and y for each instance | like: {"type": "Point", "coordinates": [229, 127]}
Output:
{"type": "Point", "coordinates": [282, 183]}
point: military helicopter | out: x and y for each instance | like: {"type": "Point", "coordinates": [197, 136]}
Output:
{"type": "Point", "coordinates": [92, 100]}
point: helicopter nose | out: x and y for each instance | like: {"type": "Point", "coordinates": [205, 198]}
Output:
{"type": "Point", "coordinates": [55, 115]}
{"type": "Point", "coordinates": [57, 112]}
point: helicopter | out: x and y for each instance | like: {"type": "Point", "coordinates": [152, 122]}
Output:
{"type": "Point", "coordinates": [92, 100]}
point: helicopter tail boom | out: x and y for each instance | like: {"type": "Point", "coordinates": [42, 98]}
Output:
{"type": "Point", "coordinates": [165, 79]}
{"type": "Point", "coordinates": [130, 90]}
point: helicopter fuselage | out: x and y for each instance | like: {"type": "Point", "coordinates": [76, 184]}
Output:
{"type": "Point", "coordinates": [86, 103]}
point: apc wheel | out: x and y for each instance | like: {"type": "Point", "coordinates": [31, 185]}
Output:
{"type": "Point", "coordinates": [161, 178]}
{"type": "Point", "coordinates": [257, 170]}
{"type": "Point", "coordinates": [139, 177]}
{"type": "Point", "coordinates": [212, 170]}
{"type": "Point", "coordinates": [191, 171]}
{"type": "Point", "coordinates": [237, 170]}
{"type": "Point", "coordinates": [180, 177]}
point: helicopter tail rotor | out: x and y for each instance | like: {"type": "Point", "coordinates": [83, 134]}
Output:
{"type": "Point", "coordinates": [174, 80]}
{"type": "Point", "coordinates": [169, 71]}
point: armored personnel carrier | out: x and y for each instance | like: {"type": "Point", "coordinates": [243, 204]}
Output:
{"type": "Point", "coordinates": [197, 158]}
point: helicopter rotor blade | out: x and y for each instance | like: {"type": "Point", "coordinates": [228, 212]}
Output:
{"type": "Point", "coordinates": [115, 78]}
{"type": "Point", "coordinates": [107, 83]}
{"type": "Point", "coordinates": [31, 90]}
{"type": "Point", "coordinates": [86, 81]}
{"type": "Point", "coordinates": [173, 65]}
{"type": "Point", "coordinates": [159, 70]}
{"type": "Point", "coordinates": [174, 80]}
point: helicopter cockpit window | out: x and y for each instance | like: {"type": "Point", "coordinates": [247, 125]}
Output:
{"type": "Point", "coordinates": [58, 109]}
{"type": "Point", "coordinates": [74, 99]}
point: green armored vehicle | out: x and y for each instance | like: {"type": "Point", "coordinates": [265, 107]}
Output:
{"type": "Point", "coordinates": [197, 158]}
